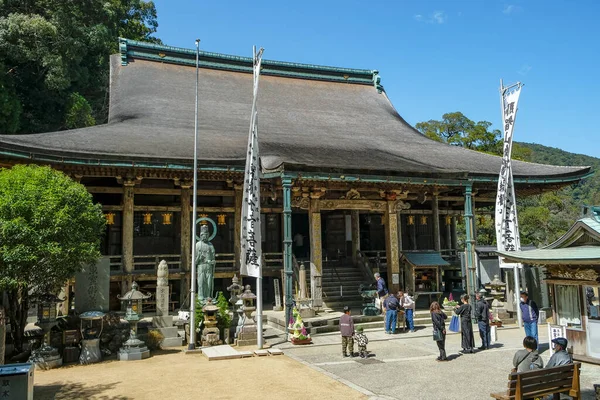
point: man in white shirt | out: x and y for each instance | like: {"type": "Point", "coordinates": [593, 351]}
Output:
{"type": "Point", "coordinates": [408, 304]}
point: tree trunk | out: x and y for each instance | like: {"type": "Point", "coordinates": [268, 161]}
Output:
{"type": "Point", "coordinates": [18, 309]}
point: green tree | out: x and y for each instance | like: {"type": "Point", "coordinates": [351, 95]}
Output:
{"type": "Point", "coordinates": [456, 129]}
{"type": "Point", "coordinates": [49, 229]}
{"type": "Point", "coordinates": [50, 49]}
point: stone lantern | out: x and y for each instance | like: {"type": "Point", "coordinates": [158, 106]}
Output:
{"type": "Point", "coordinates": [46, 356]}
{"type": "Point", "coordinates": [235, 289]}
{"type": "Point", "coordinates": [247, 333]}
{"type": "Point", "coordinates": [496, 288]}
{"type": "Point", "coordinates": [133, 348]}
{"type": "Point", "coordinates": [210, 333]}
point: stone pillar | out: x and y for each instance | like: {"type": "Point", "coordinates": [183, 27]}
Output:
{"type": "Point", "coordinates": [470, 242]}
{"type": "Point", "coordinates": [287, 248]}
{"type": "Point", "coordinates": [436, 223]}
{"type": "Point", "coordinates": [355, 222]}
{"type": "Point", "coordinates": [391, 247]}
{"type": "Point", "coordinates": [316, 247]}
{"type": "Point", "coordinates": [237, 229]}
{"type": "Point", "coordinates": [127, 239]}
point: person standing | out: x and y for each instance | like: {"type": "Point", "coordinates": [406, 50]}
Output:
{"type": "Point", "coordinates": [408, 304]}
{"type": "Point", "coordinates": [362, 340]}
{"type": "Point", "coordinates": [466, 326]}
{"type": "Point", "coordinates": [482, 314]}
{"type": "Point", "coordinates": [530, 312]}
{"type": "Point", "coordinates": [381, 290]}
{"type": "Point", "coordinates": [437, 318]}
{"type": "Point", "coordinates": [347, 331]}
{"type": "Point", "coordinates": [391, 305]}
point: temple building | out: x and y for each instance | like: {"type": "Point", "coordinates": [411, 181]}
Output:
{"type": "Point", "coordinates": [348, 187]}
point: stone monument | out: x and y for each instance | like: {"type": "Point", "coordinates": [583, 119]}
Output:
{"type": "Point", "coordinates": [92, 287]}
{"type": "Point", "coordinates": [247, 334]}
{"type": "Point", "coordinates": [205, 263]}
{"type": "Point", "coordinates": [303, 301]}
{"type": "Point", "coordinates": [210, 333]}
{"type": "Point", "coordinates": [163, 321]}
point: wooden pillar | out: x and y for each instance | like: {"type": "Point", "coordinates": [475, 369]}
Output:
{"type": "Point", "coordinates": [355, 222]}
{"type": "Point", "coordinates": [470, 242]}
{"type": "Point", "coordinates": [436, 223]}
{"type": "Point", "coordinates": [448, 232]}
{"type": "Point", "coordinates": [316, 246]}
{"type": "Point", "coordinates": [391, 247]}
{"type": "Point", "coordinates": [186, 240]}
{"type": "Point", "coordinates": [237, 229]}
{"type": "Point", "coordinates": [454, 243]}
{"type": "Point", "coordinates": [127, 239]}
{"type": "Point", "coordinates": [413, 235]}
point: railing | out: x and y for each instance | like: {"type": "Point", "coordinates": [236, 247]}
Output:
{"type": "Point", "coordinates": [225, 262]}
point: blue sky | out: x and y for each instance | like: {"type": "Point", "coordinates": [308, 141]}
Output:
{"type": "Point", "coordinates": [433, 56]}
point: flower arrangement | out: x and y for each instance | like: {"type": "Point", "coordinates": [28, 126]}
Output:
{"type": "Point", "coordinates": [449, 301]}
{"type": "Point", "coordinates": [297, 329]}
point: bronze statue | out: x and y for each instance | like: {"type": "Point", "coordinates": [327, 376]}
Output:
{"type": "Point", "coordinates": [205, 262]}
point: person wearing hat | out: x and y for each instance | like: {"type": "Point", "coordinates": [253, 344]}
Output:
{"type": "Point", "coordinates": [561, 356]}
{"type": "Point", "coordinates": [529, 313]}
{"type": "Point", "coordinates": [362, 340]}
{"type": "Point", "coordinates": [347, 331]}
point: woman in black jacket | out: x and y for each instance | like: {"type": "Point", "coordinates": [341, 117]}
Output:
{"type": "Point", "coordinates": [466, 324]}
{"type": "Point", "coordinates": [437, 318]}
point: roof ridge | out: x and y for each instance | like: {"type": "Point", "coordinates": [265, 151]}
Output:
{"type": "Point", "coordinates": [132, 49]}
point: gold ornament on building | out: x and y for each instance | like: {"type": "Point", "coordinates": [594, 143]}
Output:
{"type": "Point", "coordinates": [221, 219]}
{"type": "Point", "coordinates": [448, 219]}
{"type": "Point", "coordinates": [423, 220]}
{"type": "Point", "coordinates": [147, 218]}
{"type": "Point", "coordinates": [204, 222]}
{"type": "Point", "coordinates": [411, 220]}
{"type": "Point", "coordinates": [110, 218]}
{"type": "Point", "coordinates": [167, 218]}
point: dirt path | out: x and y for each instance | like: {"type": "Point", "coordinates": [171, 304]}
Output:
{"type": "Point", "coordinates": [175, 375]}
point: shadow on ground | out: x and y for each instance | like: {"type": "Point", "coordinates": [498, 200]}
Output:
{"type": "Point", "coordinates": [72, 391]}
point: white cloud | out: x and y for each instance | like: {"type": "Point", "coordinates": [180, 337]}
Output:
{"type": "Point", "coordinates": [510, 8]}
{"type": "Point", "coordinates": [525, 68]}
{"type": "Point", "coordinates": [438, 17]}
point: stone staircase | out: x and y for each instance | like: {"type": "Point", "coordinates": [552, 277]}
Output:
{"type": "Point", "coordinates": [340, 284]}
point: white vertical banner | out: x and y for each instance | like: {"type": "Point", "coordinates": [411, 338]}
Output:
{"type": "Point", "coordinates": [251, 252]}
{"type": "Point", "coordinates": [507, 227]}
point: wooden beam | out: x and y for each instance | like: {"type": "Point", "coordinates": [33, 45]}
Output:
{"type": "Point", "coordinates": [159, 191]}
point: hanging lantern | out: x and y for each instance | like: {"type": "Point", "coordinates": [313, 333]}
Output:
{"type": "Point", "coordinates": [147, 218]}
{"type": "Point", "coordinates": [448, 219]}
{"type": "Point", "coordinates": [204, 222]}
{"type": "Point", "coordinates": [411, 220]}
{"type": "Point", "coordinates": [110, 218]}
{"type": "Point", "coordinates": [167, 218]}
{"type": "Point", "coordinates": [423, 220]}
{"type": "Point", "coordinates": [221, 219]}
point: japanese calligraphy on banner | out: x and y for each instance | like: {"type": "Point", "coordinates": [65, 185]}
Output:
{"type": "Point", "coordinates": [507, 227]}
{"type": "Point", "coordinates": [251, 252]}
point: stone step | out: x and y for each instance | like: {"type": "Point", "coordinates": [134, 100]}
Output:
{"type": "Point", "coordinates": [172, 342]}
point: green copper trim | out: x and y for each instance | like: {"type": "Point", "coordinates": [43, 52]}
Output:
{"type": "Point", "coordinates": [470, 241]}
{"type": "Point", "coordinates": [535, 180]}
{"type": "Point", "coordinates": [287, 246]}
{"type": "Point", "coordinates": [109, 163]}
{"type": "Point", "coordinates": [177, 55]}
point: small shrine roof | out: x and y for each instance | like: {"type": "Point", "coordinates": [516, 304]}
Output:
{"type": "Point", "coordinates": [580, 255]}
{"type": "Point", "coordinates": [311, 118]}
{"type": "Point", "coordinates": [425, 258]}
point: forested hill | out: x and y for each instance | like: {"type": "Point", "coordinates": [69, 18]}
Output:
{"type": "Point", "coordinates": [588, 191]}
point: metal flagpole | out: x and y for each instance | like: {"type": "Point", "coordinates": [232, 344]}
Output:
{"type": "Point", "coordinates": [192, 343]}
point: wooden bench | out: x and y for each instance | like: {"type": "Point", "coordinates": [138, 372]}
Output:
{"type": "Point", "coordinates": [542, 382]}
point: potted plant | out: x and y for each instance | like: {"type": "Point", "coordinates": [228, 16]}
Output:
{"type": "Point", "coordinates": [299, 335]}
